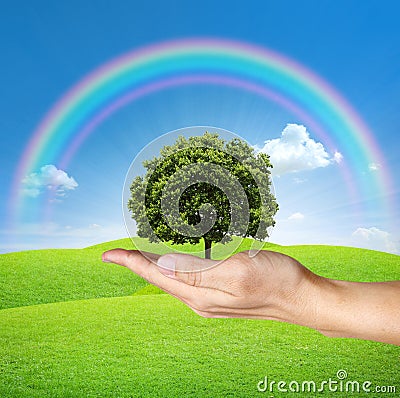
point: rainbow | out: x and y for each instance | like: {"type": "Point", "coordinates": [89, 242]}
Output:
{"type": "Point", "coordinates": [212, 61]}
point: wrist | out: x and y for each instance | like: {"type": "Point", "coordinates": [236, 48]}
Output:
{"type": "Point", "coordinates": [332, 307]}
{"type": "Point", "coordinates": [298, 299]}
{"type": "Point", "coordinates": [318, 303]}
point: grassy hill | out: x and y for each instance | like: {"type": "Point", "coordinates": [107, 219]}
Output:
{"type": "Point", "coordinates": [154, 346]}
{"type": "Point", "coordinates": [89, 341]}
{"type": "Point", "coordinates": [46, 276]}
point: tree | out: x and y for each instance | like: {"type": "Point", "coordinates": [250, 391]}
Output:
{"type": "Point", "coordinates": [204, 187]}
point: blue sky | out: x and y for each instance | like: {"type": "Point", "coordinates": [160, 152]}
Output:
{"type": "Point", "coordinates": [47, 47]}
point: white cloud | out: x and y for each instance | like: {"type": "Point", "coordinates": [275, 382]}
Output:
{"type": "Point", "coordinates": [374, 166]}
{"type": "Point", "coordinates": [375, 239]}
{"type": "Point", "coordinates": [337, 157]}
{"type": "Point", "coordinates": [50, 178]}
{"type": "Point", "coordinates": [32, 192]}
{"type": "Point", "coordinates": [298, 180]}
{"type": "Point", "coordinates": [296, 216]}
{"type": "Point", "coordinates": [295, 151]}
{"type": "Point", "coordinates": [95, 226]}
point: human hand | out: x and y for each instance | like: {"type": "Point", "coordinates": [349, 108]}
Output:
{"type": "Point", "coordinates": [272, 286]}
{"type": "Point", "coordinates": [268, 285]}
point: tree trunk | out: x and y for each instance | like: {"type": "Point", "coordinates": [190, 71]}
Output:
{"type": "Point", "coordinates": [207, 248]}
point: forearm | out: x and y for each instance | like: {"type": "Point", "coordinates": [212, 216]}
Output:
{"type": "Point", "coordinates": [368, 311]}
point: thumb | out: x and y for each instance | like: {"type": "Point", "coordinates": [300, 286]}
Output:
{"type": "Point", "coordinates": [189, 269]}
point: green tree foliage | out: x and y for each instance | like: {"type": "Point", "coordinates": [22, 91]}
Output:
{"type": "Point", "coordinates": [204, 187]}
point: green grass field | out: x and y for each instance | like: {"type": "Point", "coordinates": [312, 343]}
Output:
{"type": "Point", "coordinates": [72, 326]}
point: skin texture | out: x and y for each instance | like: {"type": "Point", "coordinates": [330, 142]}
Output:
{"type": "Point", "coordinates": [272, 286]}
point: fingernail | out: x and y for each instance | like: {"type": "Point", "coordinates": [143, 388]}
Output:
{"type": "Point", "coordinates": [104, 259]}
{"type": "Point", "coordinates": [167, 265]}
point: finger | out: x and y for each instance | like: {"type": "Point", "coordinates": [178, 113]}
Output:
{"type": "Point", "coordinates": [193, 271]}
{"type": "Point", "coordinates": [118, 256]}
{"type": "Point", "coordinates": [142, 266]}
